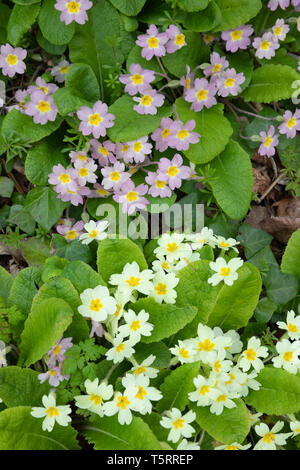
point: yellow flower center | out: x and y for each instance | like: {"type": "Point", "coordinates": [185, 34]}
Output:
{"type": "Point", "coordinates": [204, 390]}
{"type": "Point", "coordinates": [288, 356]}
{"type": "Point", "coordinates": [146, 100]}
{"type": "Point", "coordinates": [268, 141]}
{"type": "Point", "coordinates": [71, 235]}
{"type": "Point", "coordinates": [65, 178]}
{"type": "Point", "coordinates": [172, 247]}
{"type": "Point", "coordinates": [93, 234]}
{"type": "Point", "coordinates": [217, 366]}
{"type": "Point", "coordinates": [137, 147]}
{"type": "Point", "coordinates": [133, 281]}
{"type": "Point", "coordinates": [115, 176]}
{"type": "Point", "coordinates": [291, 123]}
{"type": "Point", "coordinates": [208, 38]}
{"type": "Point", "coordinates": [182, 134]}
{"type": "Point", "coordinates": [184, 353]}
{"type": "Point", "coordinates": [43, 106]}
{"type": "Point", "coordinates": [165, 265]}
{"type": "Point", "coordinates": [161, 289]}
{"type": "Point", "coordinates": [57, 349]}
{"type": "Point", "coordinates": [250, 354]}
{"type": "Point", "coordinates": [122, 402]}
{"type": "Point", "coordinates": [206, 345]}
{"type": "Point", "coordinates": [83, 172]}
{"type": "Point", "coordinates": [223, 244]}
{"type": "Point", "coordinates": [178, 423]}
{"type": "Point", "coordinates": [269, 437]}
{"type": "Point", "coordinates": [229, 82]}
{"type": "Point", "coordinates": [73, 7]}
{"type": "Point", "coordinates": [132, 196]}
{"type": "Point", "coordinates": [120, 348]}
{"type": "Point", "coordinates": [63, 70]}
{"type": "Point", "coordinates": [172, 171]}
{"type": "Point", "coordinates": [95, 119]}
{"type": "Point", "coordinates": [225, 272]}
{"type": "Point", "coordinates": [12, 59]}
{"type": "Point", "coordinates": [82, 157]}
{"type": "Point", "coordinates": [52, 411]}
{"type": "Point", "coordinates": [135, 325]}
{"type": "Point", "coordinates": [221, 398]}
{"type": "Point", "coordinates": [265, 45]}
{"type": "Point", "coordinates": [278, 31]}
{"type": "Point", "coordinates": [160, 184]}
{"type": "Point", "coordinates": [231, 447]}
{"type": "Point", "coordinates": [237, 35]}
{"type": "Point", "coordinates": [153, 42]}
{"type": "Point", "coordinates": [96, 399]}
{"type": "Point", "coordinates": [216, 68]}
{"type": "Point", "coordinates": [103, 151]}
{"type": "Point", "coordinates": [188, 83]}
{"type": "Point", "coordinates": [140, 370]}
{"type": "Point", "coordinates": [44, 89]}
{"type": "Point", "coordinates": [96, 305]}
{"type": "Point", "coordinates": [292, 328]}
{"type": "Point", "coordinates": [180, 39]}
{"type": "Point", "coordinates": [125, 148]}
{"type": "Point", "coordinates": [141, 393]}
{"type": "Point", "coordinates": [201, 95]}
{"type": "Point", "coordinates": [102, 192]}
{"type": "Point", "coordinates": [165, 133]}
{"type": "Point", "coordinates": [137, 79]}
{"type": "Point", "coordinates": [52, 373]}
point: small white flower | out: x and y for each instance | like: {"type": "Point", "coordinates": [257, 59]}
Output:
{"type": "Point", "coordinates": [183, 262]}
{"type": "Point", "coordinates": [233, 446]}
{"type": "Point", "coordinates": [292, 325]}
{"type": "Point", "coordinates": [254, 418]}
{"type": "Point", "coordinates": [122, 404]}
{"type": "Point", "coordinates": [95, 231]}
{"type": "Point", "coordinates": [120, 350]}
{"type": "Point", "coordinates": [222, 400]}
{"type": "Point", "coordinates": [295, 428]}
{"type": "Point", "coordinates": [179, 424]}
{"type": "Point", "coordinates": [205, 237]}
{"type": "Point", "coordinates": [280, 30]}
{"type": "Point", "coordinates": [52, 413]}
{"type": "Point", "coordinates": [162, 264]}
{"type": "Point", "coordinates": [226, 244]}
{"type": "Point", "coordinates": [59, 71]}
{"type": "Point", "coordinates": [209, 344]}
{"type": "Point", "coordinates": [132, 279]}
{"type": "Point", "coordinates": [251, 383]}
{"type": "Point", "coordinates": [185, 445]}
{"type": "Point", "coordinates": [96, 394]}
{"type": "Point", "coordinates": [251, 356]}
{"type": "Point", "coordinates": [205, 392]}
{"type": "Point", "coordinates": [163, 287]}
{"type": "Point", "coordinates": [226, 272]}
{"type": "Point", "coordinates": [144, 368]}
{"type": "Point", "coordinates": [288, 357]}
{"type": "Point", "coordinates": [97, 304]}
{"type": "Point", "coordinates": [85, 172]}
{"type": "Point", "coordinates": [137, 386]}
{"type": "Point", "coordinates": [270, 438]}
{"type": "Point", "coordinates": [136, 325]}
{"type": "Point", "coordinates": [185, 351]}
{"type": "Point", "coordinates": [172, 247]}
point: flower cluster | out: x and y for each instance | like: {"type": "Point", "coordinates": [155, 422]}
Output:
{"type": "Point", "coordinates": [288, 349]}
{"type": "Point", "coordinates": [56, 359]}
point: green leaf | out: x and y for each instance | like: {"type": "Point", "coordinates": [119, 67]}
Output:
{"type": "Point", "coordinates": [108, 434]}
{"type": "Point", "coordinates": [21, 431]}
{"type": "Point", "coordinates": [235, 304]}
{"type": "Point", "coordinates": [193, 5]}
{"type": "Point", "coordinates": [44, 206]}
{"type": "Point", "coordinates": [90, 44]}
{"type": "Point", "coordinates": [281, 287]}
{"type": "Point", "coordinates": [205, 20]}
{"type": "Point", "coordinates": [24, 127]}
{"type": "Point", "coordinates": [232, 177]}
{"type": "Point", "coordinates": [52, 28]}
{"type": "Point", "coordinates": [35, 251]}
{"type": "Point", "coordinates": [24, 289]}
{"type": "Point", "coordinates": [233, 425]}
{"type": "Point", "coordinates": [81, 89]}
{"type": "Point", "coordinates": [25, 2]}
{"type": "Point", "coordinates": [290, 260]}
{"type": "Point", "coordinates": [128, 7]}
{"type": "Point", "coordinates": [21, 387]}
{"type": "Point", "coordinates": [193, 54]}
{"type": "Point", "coordinates": [6, 186]}
{"type": "Point", "coordinates": [264, 310]}
{"type": "Point", "coordinates": [176, 387]}
{"type": "Point", "coordinates": [43, 327]}
{"type": "Point", "coordinates": [271, 83]}
{"type": "Point", "coordinates": [19, 216]}
{"type": "Point", "coordinates": [193, 289]}
{"type": "Point", "coordinates": [74, 251]}
{"type": "Point", "coordinates": [236, 12]}
{"type": "Point", "coordinates": [60, 288]}
{"type": "Point", "coordinates": [253, 239]}
{"type": "Point", "coordinates": [279, 392]}
{"type": "Point", "coordinates": [214, 128]}
{"type": "Point", "coordinates": [159, 350]}
{"type": "Point", "coordinates": [48, 46]}
{"type": "Point", "coordinates": [53, 267]}
{"type": "Point", "coordinates": [21, 19]}
{"type": "Point", "coordinates": [6, 282]}
{"type": "Point", "coordinates": [113, 254]}
{"type": "Point", "coordinates": [167, 319]}
{"type": "Point", "coordinates": [82, 276]}
{"type": "Point", "coordinates": [41, 159]}
{"type": "Point", "coordinates": [241, 62]}
{"type": "Point", "coordinates": [129, 124]}
{"type": "Point", "coordinates": [135, 57]}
